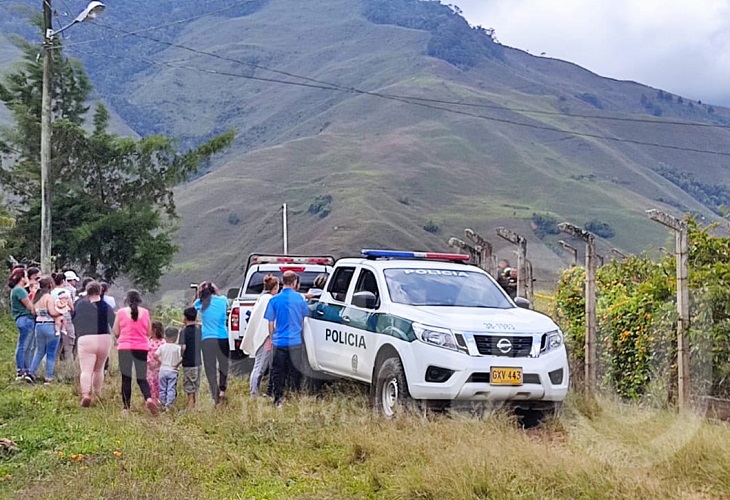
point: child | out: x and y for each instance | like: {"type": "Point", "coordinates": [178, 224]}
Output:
{"type": "Point", "coordinates": [169, 355]}
{"type": "Point", "coordinates": [63, 298]}
{"type": "Point", "coordinates": [191, 342]}
{"type": "Point", "coordinates": [153, 364]}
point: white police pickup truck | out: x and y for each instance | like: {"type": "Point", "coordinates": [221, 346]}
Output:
{"type": "Point", "coordinates": [427, 326]}
{"type": "Point", "coordinates": [257, 267]}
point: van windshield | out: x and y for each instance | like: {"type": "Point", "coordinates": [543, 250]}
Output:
{"type": "Point", "coordinates": [444, 287]}
{"type": "Point", "coordinates": [256, 282]}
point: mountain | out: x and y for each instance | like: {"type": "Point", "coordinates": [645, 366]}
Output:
{"type": "Point", "coordinates": [542, 140]}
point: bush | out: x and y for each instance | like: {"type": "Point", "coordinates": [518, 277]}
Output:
{"type": "Point", "coordinates": [321, 207]}
{"type": "Point", "coordinates": [544, 225]}
{"type": "Point", "coordinates": [431, 227]}
{"type": "Point", "coordinates": [234, 219]}
{"type": "Point", "coordinates": [601, 229]}
{"type": "Point", "coordinates": [636, 320]}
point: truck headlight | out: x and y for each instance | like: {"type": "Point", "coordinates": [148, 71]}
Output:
{"type": "Point", "coordinates": [551, 341]}
{"type": "Point", "coordinates": [434, 335]}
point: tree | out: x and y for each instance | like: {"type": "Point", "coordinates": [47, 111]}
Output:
{"type": "Point", "coordinates": [113, 207]}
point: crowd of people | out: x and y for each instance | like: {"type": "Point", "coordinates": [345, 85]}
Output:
{"type": "Point", "coordinates": [60, 317]}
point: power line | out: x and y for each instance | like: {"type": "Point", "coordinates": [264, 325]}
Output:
{"type": "Point", "coordinates": [158, 27]}
{"type": "Point", "coordinates": [417, 103]}
{"type": "Point", "coordinates": [124, 33]}
{"type": "Point", "coordinates": [228, 59]}
{"type": "Point", "coordinates": [415, 98]}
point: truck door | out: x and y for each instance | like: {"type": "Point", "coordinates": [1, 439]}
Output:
{"type": "Point", "coordinates": [360, 318]}
{"type": "Point", "coordinates": [327, 321]}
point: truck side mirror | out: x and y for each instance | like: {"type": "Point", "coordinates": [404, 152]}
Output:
{"type": "Point", "coordinates": [522, 302]}
{"type": "Point", "coordinates": [364, 299]}
{"type": "Point", "coordinates": [232, 293]}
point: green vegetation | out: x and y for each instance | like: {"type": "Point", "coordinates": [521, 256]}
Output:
{"type": "Point", "coordinates": [113, 207]}
{"type": "Point", "coordinates": [599, 228]}
{"type": "Point", "coordinates": [590, 99]}
{"type": "Point", "coordinates": [714, 196]}
{"type": "Point", "coordinates": [334, 447]}
{"type": "Point", "coordinates": [544, 224]}
{"type": "Point", "coordinates": [452, 39]}
{"type": "Point", "coordinates": [431, 227]}
{"type": "Point", "coordinates": [321, 207]}
{"type": "Point", "coordinates": [637, 320]}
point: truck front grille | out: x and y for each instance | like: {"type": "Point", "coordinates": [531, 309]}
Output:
{"type": "Point", "coordinates": [503, 345]}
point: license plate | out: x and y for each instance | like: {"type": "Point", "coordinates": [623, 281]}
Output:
{"type": "Point", "coordinates": [506, 376]}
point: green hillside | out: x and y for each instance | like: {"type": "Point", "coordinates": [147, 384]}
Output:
{"type": "Point", "coordinates": [392, 167]}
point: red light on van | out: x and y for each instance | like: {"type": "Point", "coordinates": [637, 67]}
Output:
{"type": "Point", "coordinates": [235, 319]}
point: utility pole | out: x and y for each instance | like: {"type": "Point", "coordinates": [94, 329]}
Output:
{"type": "Point", "coordinates": [484, 248]}
{"type": "Point", "coordinates": [681, 239]}
{"type": "Point", "coordinates": [573, 251]}
{"type": "Point", "coordinates": [521, 243]}
{"type": "Point", "coordinates": [590, 298]}
{"type": "Point", "coordinates": [90, 12]}
{"type": "Point", "coordinates": [285, 225]}
{"type": "Point", "coordinates": [46, 138]}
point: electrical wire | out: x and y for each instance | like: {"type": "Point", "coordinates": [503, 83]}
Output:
{"type": "Point", "coordinates": [415, 103]}
{"type": "Point", "coordinates": [158, 27]}
{"type": "Point", "coordinates": [137, 33]}
{"type": "Point", "coordinates": [415, 98]}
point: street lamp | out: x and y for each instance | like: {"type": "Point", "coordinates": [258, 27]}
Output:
{"type": "Point", "coordinates": [90, 12]}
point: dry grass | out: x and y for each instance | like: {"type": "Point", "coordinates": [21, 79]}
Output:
{"type": "Point", "coordinates": [334, 447]}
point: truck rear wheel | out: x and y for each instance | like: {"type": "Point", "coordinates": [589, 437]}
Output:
{"type": "Point", "coordinates": [390, 394]}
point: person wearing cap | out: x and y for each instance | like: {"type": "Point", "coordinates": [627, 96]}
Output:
{"type": "Point", "coordinates": [72, 280]}
{"type": "Point", "coordinates": [68, 338]}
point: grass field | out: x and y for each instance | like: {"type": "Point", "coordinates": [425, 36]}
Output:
{"type": "Point", "coordinates": [334, 447]}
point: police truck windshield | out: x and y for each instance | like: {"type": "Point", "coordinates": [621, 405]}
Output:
{"type": "Point", "coordinates": [444, 287]}
{"type": "Point", "coordinates": [256, 282]}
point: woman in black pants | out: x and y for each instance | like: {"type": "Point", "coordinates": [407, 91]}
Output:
{"type": "Point", "coordinates": [132, 327]}
{"type": "Point", "coordinates": [213, 310]}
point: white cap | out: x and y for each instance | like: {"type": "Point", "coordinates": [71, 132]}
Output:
{"type": "Point", "coordinates": [70, 275]}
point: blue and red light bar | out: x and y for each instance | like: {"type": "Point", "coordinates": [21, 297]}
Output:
{"type": "Point", "coordinates": [396, 254]}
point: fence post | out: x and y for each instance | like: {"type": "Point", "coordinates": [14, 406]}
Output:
{"type": "Point", "coordinates": [521, 243]}
{"type": "Point", "coordinates": [619, 253]}
{"type": "Point", "coordinates": [474, 255]}
{"type": "Point", "coordinates": [485, 250]}
{"type": "Point", "coordinates": [681, 238]}
{"type": "Point", "coordinates": [590, 298]}
{"type": "Point", "coordinates": [573, 251]}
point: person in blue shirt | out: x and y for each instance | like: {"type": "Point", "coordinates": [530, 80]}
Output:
{"type": "Point", "coordinates": [285, 313]}
{"type": "Point", "coordinates": [213, 309]}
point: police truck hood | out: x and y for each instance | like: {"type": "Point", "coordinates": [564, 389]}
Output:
{"type": "Point", "coordinates": [475, 319]}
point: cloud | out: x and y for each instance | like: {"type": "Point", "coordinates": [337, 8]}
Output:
{"type": "Point", "coordinates": [679, 46]}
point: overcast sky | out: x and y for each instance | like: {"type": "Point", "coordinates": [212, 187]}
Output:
{"type": "Point", "coordinates": [675, 45]}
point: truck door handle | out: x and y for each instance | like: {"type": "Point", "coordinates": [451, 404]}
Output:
{"type": "Point", "coordinates": [346, 319]}
{"type": "Point", "coordinates": [319, 312]}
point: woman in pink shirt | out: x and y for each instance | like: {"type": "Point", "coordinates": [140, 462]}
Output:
{"type": "Point", "coordinates": [132, 328]}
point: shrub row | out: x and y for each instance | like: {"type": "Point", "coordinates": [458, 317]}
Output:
{"type": "Point", "coordinates": [637, 320]}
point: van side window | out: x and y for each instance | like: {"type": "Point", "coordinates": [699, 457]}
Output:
{"type": "Point", "coordinates": [367, 283]}
{"type": "Point", "coordinates": [340, 282]}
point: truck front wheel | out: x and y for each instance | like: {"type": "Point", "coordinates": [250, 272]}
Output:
{"type": "Point", "coordinates": [390, 395]}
